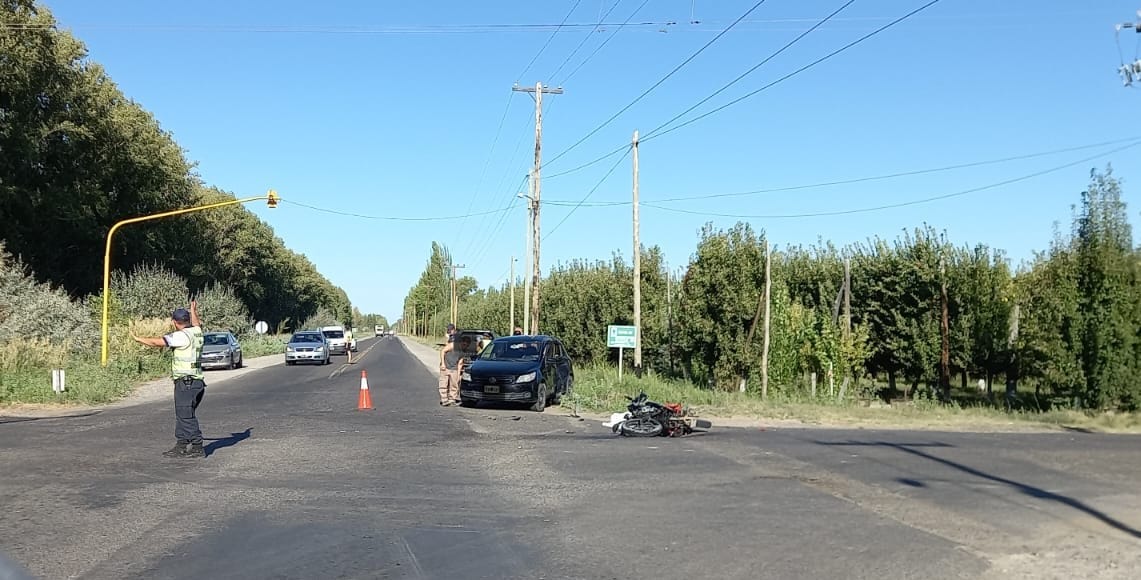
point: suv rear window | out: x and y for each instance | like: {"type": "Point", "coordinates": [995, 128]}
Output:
{"type": "Point", "coordinates": [333, 334]}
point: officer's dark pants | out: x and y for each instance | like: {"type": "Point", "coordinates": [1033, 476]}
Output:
{"type": "Point", "coordinates": [187, 395]}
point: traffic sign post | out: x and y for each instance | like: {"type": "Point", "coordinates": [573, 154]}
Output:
{"type": "Point", "coordinates": [622, 338]}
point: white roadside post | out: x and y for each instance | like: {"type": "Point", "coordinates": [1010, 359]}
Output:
{"type": "Point", "coordinates": [59, 381]}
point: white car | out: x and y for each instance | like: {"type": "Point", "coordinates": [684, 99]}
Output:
{"type": "Point", "coordinates": [335, 337]}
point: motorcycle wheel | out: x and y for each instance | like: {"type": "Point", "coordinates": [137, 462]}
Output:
{"type": "Point", "coordinates": [641, 427]}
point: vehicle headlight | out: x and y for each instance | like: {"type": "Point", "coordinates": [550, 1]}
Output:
{"type": "Point", "coordinates": [526, 378]}
{"type": "Point", "coordinates": [288, 348]}
{"type": "Point", "coordinates": [466, 376]}
{"type": "Point", "coordinates": [319, 349]}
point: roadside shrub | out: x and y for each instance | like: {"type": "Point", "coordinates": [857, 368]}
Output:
{"type": "Point", "coordinates": [31, 310]}
{"type": "Point", "coordinates": [221, 309]}
{"type": "Point", "coordinates": [255, 345]}
{"type": "Point", "coordinates": [322, 317]}
{"type": "Point", "coordinates": [148, 291]}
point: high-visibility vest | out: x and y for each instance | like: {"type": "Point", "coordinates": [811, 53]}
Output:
{"type": "Point", "coordinates": [186, 361]}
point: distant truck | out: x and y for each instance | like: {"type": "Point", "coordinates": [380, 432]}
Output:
{"type": "Point", "coordinates": [379, 330]}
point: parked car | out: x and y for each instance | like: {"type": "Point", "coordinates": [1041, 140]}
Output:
{"type": "Point", "coordinates": [335, 336]}
{"type": "Point", "coordinates": [519, 369]}
{"type": "Point", "coordinates": [220, 350]}
{"type": "Point", "coordinates": [307, 346]}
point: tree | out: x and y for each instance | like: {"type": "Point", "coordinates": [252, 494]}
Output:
{"type": "Point", "coordinates": [1108, 290]}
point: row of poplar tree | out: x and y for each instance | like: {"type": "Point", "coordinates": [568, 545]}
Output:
{"type": "Point", "coordinates": [1061, 329]}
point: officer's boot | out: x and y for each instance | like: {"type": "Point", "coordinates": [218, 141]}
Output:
{"type": "Point", "coordinates": [195, 451]}
{"type": "Point", "coordinates": [177, 451]}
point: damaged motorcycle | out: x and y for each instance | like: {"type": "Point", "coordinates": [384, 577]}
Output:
{"type": "Point", "coordinates": [646, 418]}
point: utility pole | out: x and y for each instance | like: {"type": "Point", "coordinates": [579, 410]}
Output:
{"type": "Point", "coordinates": [455, 295]}
{"type": "Point", "coordinates": [945, 355]}
{"type": "Point", "coordinates": [512, 329]}
{"type": "Point", "coordinates": [637, 272]}
{"type": "Point", "coordinates": [536, 191]}
{"type": "Point", "coordinates": [765, 344]}
{"type": "Point", "coordinates": [847, 297]}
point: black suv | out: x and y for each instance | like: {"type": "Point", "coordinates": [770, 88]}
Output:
{"type": "Point", "coordinates": [519, 369]}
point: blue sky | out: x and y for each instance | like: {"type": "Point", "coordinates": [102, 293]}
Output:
{"type": "Point", "coordinates": [391, 109]}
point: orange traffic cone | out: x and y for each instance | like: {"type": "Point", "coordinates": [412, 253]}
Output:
{"type": "Point", "coordinates": [365, 400]}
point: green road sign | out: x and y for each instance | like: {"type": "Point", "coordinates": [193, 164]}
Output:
{"type": "Point", "coordinates": [621, 336]}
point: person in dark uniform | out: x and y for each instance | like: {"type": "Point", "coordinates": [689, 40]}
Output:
{"type": "Point", "coordinates": [189, 384]}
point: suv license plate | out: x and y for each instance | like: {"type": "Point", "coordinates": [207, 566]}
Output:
{"type": "Point", "coordinates": [491, 389]}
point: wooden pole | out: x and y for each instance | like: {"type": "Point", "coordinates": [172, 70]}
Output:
{"type": "Point", "coordinates": [945, 355]}
{"type": "Point", "coordinates": [512, 308]}
{"type": "Point", "coordinates": [536, 191]}
{"type": "Point", "coordinates": [670, 317]}
{"type": "Point", "coordinates": [1012, 370]}
{"type": "Point", "coordinates": [765, 347]}
{"type": "Point", "coordinates": [536, 270]}
{"type": "Point", "coordinates": [637, 272]}
{"type": "Point", "coordinates": [847, 297]}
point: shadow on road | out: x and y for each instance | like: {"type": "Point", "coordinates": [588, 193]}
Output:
{"type": "Point", "coordinates": [1026, 489]}
{"type": "Point", "coordinates": [219, 443]}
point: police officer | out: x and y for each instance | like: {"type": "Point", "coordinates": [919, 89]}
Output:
{"type": "Point", "coordinates": [189, 386]}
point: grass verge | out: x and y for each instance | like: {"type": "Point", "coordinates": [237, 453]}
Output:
{"type": "Point", "coordinates": [597, 389]}
{"type": "Point", "coordinates": [26, 378]}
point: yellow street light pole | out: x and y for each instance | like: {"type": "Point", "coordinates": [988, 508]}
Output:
{"type": "Point", "coordinates": [271, 199]}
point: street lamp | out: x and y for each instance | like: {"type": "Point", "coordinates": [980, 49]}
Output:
{"type": "Point", "coordinates": [530, 230]}
{"type": "Point", "coordinates": [271, 198]}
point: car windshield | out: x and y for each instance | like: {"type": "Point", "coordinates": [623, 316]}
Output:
{"type": "Point", "coordinates": [215, 340]}
{"type": "Point", "coordinates": [305, 338]}
{"type": "Point", "coordinates": [333, 334]}
{"type": "Point", "coordinates": [511, 350]}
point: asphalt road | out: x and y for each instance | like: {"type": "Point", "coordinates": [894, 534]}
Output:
{"type": "Point", "coordinates": [300, 484]}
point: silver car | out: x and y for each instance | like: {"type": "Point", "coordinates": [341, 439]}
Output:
{"type": "Point", "coordinates": [221, 350]}
{"type": "Point", "coordinates": [307, 346]}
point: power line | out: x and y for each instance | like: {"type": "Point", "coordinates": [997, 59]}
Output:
{"type": "Point", "coordinates": [589, 193]}
{"type": "Point", "coordinates": [797, 71]}
{"type": "Point", "coordinates": [861, 179]}
{"type": "Point", "coordinates": [655, 85]}
{"type": "Point", "coordinates": [341, 29]}
{"type": "Point", "coordinates": [588, 163]}
{"type": "Point", "coordinates": [390, 218]}
{"type": "Point", "coordinates": [481, 250]}
{"type": "Point", "coordinates": [788, 45]}
{"type": "Point", "coordinates": [585, 39]}
{"type": "Point", "coordinates": [503, 118]}
{"type": "Point", "coordinates": [487, 162]}
{"type": "Point", "coordinates": [549, 39]}
{"type": "Point", "coordinates": [599, 48]}
{"type": "Point", "coordinates": [901, 204]}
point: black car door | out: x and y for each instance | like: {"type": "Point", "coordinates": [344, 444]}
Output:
{"type": "Point", "coordinates": [550, 368]}
{"type": "Point", "coordinates": [564, 367]}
